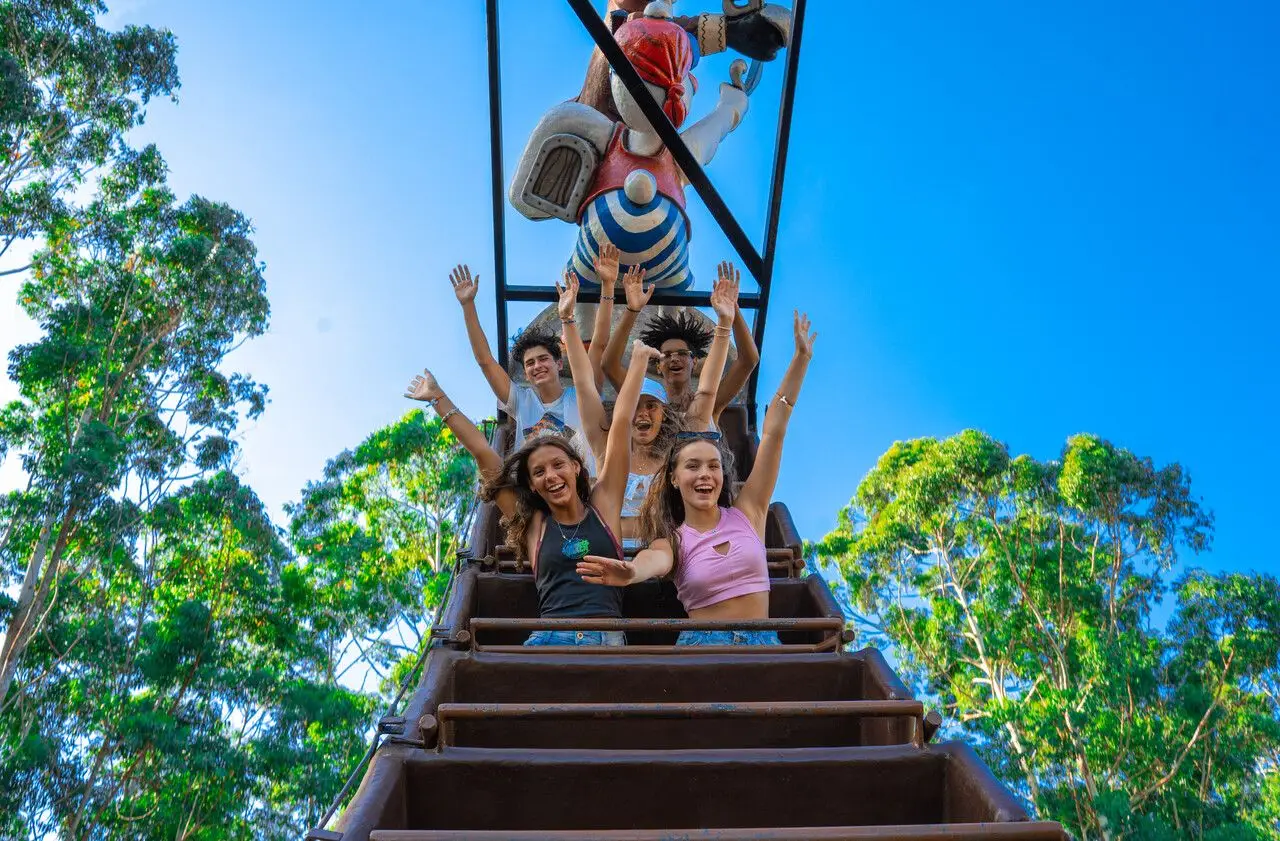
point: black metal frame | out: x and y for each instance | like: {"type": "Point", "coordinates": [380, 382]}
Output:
{"type": "Point", "coordinates": [759, 266]}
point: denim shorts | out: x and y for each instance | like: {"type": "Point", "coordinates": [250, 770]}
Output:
{"type": "Point", "coordinates": [577, 638]}
{"type": "Point", "coordinates": [728, 638]}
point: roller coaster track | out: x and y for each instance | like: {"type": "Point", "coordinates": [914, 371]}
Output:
{"type": "Point", "coordinates": [804, 740]}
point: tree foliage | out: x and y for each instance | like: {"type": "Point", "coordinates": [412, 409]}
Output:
{"type": "Point", "coordinates": [1023, 594]}
{"type": "Point", "coordinates": [377, 537]}
{"type": "Point", "coordinates": [69, 91]}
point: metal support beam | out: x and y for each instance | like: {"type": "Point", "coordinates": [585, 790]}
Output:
{"type": "Point", "coordinates": [497, 179]}
{"type": "Point", "coordinates": [671, 138]}
{"type": "Point", "coordinates": [775, 187]}
{"type": "Point", "coordinates": [687, 298]}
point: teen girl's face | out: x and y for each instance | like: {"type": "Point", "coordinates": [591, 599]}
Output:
{"type": "Point", "coordinates": [676, 363]}
{"type": "Point", "coordinates": [540, 367]}
{"type": "Point", "coordinates": [698, 475]}
{"type": "Point", "coordinates": [648, 420]}
{"type": "Point", "coordinates": [553, 476]}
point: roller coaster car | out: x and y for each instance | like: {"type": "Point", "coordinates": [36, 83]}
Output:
{"type": "Point", "coordinates": [650, 741]}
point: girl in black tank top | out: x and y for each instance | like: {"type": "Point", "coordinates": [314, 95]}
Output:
{"type": "Point", "coordinates": [561, 591]}
{"type": "Point", "coordinates": [544, 485]}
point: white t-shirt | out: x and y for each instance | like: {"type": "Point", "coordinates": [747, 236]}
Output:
{"type": "Point", "coordinates": [533, 417]}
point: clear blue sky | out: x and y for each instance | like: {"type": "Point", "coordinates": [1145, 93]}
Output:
{"type": "Point", "coordinates": [1035, 219]}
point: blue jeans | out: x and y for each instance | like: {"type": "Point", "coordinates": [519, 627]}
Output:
{"type": "Point", "coordinates": [728, 638]}
{"type": "Point", "coordinates": [576, 638]}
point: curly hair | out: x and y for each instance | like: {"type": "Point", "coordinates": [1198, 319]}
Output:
{"type": "Point", "coordinates": [685, 326]}
{"type": "Point", "coordinates": [515, 477]}
{"type": "Point", "coordinates": [530, 339]}
{"type": "Point", "coordinates": [662, 513]}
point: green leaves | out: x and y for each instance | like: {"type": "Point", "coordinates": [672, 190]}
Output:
{"type": "Point", "coordinates": [1021, 595]}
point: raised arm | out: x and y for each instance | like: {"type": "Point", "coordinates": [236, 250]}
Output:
{"type": "Point", "coordinates": [637, 298]}
{"type": "Point", "coordinates": [612, 482]}
{"type": "Point", "coordinates": [465, 287]}
{"type": "Point", "coordinates": [425, 388]}
{"type": "Point", "coordinates": [755, 496]}
{"type": "Point", "coordinates": [590, 409]}
{"type": "Point", "coordinates": [724, 300]}
{"type": "Point", "coordinates": [747, 360]}
{"type": "Point", "coordinates": [606, 264]}
{"type": "Point", "coordinates": [654, 562]}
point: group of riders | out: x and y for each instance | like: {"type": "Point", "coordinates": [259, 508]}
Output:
{"type": "Point", "coordinates": [656, 477]}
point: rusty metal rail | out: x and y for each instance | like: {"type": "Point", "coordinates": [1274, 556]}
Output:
{"type": "Point", "coordinates": [448, 714]}
{"type": "Point", "coordinates": [835, 634]}
{"type": "Point", "coordinates": [782, 563]}
{"type": "Point", "coordinates": [1014, 831]}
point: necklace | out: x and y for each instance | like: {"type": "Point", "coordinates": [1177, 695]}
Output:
{"type": "Point", "coordinates": [573, 547]}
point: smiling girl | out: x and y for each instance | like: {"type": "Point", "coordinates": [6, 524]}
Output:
{"type": "Point", "coordinates": [553, 515]}
{"type": "Point", "coordinates": [712, 541]}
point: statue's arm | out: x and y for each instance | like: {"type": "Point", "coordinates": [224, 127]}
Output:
{"type": "Point", "coordinates": [703, 137]}
{"type": "Point", "coordinates": [566, 118]}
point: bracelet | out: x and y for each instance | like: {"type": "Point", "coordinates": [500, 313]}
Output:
{"type": "Point", "coordinates": [445, 417]}
{"type": "Point", "coordinates": [637, 312]}
{"type": "Point", "coordinates": [718, 328]}
{"type": "Point", "coordinates": [568, 321]}
{"type": "Point", "coordinates": [609, 299]}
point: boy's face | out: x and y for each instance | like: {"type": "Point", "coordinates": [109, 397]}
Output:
{"type": "Point", "coordinates": [676, 364]}
{"type": "Point", "coordinates": [540, 367]}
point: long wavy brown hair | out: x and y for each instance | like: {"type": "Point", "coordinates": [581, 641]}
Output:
{"type": "Point", "coordinates": [515, 477]}
{"type": "Point", "coordinates": [663, 511]}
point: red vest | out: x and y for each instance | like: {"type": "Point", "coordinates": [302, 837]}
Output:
{"type": "Point", "coordinates": [618, 163]}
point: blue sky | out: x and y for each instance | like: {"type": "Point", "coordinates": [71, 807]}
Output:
{"type": "Point", "coordinates": [1033, 219]}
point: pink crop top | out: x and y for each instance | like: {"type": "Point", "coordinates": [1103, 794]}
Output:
{"type": "Point", "coordinates": [705, 577]}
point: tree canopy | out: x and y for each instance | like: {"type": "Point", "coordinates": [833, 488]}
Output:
{"type": "Point", "coordinates": [1024, 596]}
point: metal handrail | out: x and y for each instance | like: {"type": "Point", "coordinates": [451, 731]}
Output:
{"type": "Point", "coordinates": [804, 623]}
{"type": "Point", "coordinates": [834, 626]}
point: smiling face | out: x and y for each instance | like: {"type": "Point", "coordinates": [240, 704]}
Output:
{"type": "Point", "coordinates": [553, 475]}
{"type": "Point", "coordinates": [676, 364]}
{"type": "Point", "coordinates": [540, 367]}
{"type": "Point", "coordinates": [698, 474]}
{"type": "Point", "coordinates": [648, 420]}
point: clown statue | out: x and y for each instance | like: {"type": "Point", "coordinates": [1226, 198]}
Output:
{"type": "Point", "coordinates": [615, 178]}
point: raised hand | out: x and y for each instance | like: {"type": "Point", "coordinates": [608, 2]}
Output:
{"type": "Point", "coordinates": [804, 339]}
{"type": "Point", "coordinates": [606, 264]}
{"type": "Point", "coordinates": [424, 387]}
{"type": "Point", "coordinates": [464, 286]}
{"type": "Point", "coordinates": [633, 284]}
{"type": "Point", "coordinates": [724, 296]}
{"type": "Point", "coordinates": [610, 572]}
{"type": "Point", "coordinates": [646, 354]}
{"type": "Point", "coordinates": [568, 296]}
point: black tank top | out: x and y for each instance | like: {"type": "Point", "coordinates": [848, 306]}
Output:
{"type": "Point", "coordinates": [561, 591]}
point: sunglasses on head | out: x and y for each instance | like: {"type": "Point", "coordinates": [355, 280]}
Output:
{"type": "Point", "coordinates": [709, 435]}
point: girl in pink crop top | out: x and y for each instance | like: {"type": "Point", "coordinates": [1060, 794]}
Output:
{"type": "Point", "coordinates": [705, 577]}
{"type": "Point", "coordinates": [695, 526]}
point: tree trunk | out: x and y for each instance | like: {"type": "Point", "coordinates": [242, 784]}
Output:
{"type": "Point", "coordinates": [31, 598]}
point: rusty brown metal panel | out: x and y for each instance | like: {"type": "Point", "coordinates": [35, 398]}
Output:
{"type": "Point", "coordinates": [945, 832]}
{"type": "Point", "coordinates": [671, 726]}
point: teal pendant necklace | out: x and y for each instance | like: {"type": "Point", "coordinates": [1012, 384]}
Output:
{"type": "Point", "coordinates": [573, 547]}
